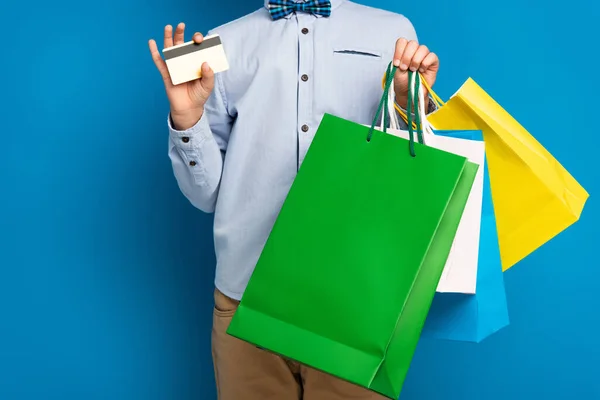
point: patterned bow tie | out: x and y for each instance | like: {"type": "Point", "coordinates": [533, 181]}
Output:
{"type": "Point", "coordinates": [283, 8]}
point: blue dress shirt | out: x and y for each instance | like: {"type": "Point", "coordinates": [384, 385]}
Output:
{"type": "Point", "coordinates": [241, 158]}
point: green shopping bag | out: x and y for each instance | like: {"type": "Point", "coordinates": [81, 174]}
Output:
{"type": "Point", "coordinates": [348, 273]}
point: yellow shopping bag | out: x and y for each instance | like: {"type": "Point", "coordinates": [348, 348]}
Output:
{"type": "Point", "coordinates": [535, 198]}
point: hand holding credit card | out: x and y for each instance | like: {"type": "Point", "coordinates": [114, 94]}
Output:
{"type": "Point", "coordinates": [184, 61]}
{"type": "Point", "coordinates": [188, 72]}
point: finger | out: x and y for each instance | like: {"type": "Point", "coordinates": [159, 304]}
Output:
{"type": "Point", "coordinates": [158, 61]}
{"type": "Point", "coordinates": [407, 55]}
{"type": "Point", "coordinates": [168, 41]}
{"type": "Point", "coordinates": [198, 38]}
{"type": "Point", "coordinates": [400, 46]}
{"type": "Point", "coordinates": [431, 61]}
{"type": "Point", "coordinates": [418, 58]}
{"type": "Point", "coordinates": [208, 77]}
{"type": "Point", "coordinates": [179, 34]}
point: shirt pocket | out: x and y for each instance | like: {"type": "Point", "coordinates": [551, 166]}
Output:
{"type": "Point", "coordinates": [357, 54]}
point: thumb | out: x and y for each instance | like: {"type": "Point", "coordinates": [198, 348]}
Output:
{"type": "Point", "coordinates": [208, 78]}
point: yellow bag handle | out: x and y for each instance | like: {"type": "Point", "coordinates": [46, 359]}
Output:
{"type": "Point", "coordinates": [436, 99]}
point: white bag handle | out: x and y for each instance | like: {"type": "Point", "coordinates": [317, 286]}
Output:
{"type": "Point", "coordinates": [394, 123]}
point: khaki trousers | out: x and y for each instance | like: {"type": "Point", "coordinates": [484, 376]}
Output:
{"type": "Point", "coordinates": [245, 372]}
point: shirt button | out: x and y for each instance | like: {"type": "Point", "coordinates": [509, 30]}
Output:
{"type": "Point", "coordinates": [185, 139]}
{"type": "Point", "coordinates": [304, 77]}
{"type": "Point", "coordinates": [192, 163]}
{"type": "Point", "coordinates": [304, 128]}
{"type": "Point", "coordinates": [304, 30]}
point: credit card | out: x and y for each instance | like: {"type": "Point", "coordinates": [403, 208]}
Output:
{"type": "Point", "coordinates": [185, 60]}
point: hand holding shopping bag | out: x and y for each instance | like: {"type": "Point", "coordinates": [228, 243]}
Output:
{"type": "Point", "coordinates": [347, 276]}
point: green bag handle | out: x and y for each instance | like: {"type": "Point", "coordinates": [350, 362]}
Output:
{"type": "Point", "coordinates": [383, 107]}
{"type": "Point", "coordinates": [383, 102]}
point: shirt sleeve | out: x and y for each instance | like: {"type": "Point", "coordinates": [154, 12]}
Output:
{"type": "Point", "coordinates": [197, 153]}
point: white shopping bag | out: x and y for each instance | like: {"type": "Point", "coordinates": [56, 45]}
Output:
{"type": "Point", "coordinates": [460, 271]}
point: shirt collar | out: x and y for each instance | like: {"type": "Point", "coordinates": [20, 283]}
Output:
{"type": "Point", "coordinates": [334, 4]}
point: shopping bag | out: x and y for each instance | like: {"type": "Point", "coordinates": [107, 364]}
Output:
{"type": "Point", "coordinates": [535, 197]}
{"type": "Point", "coordinates": [475, 252]}
{"type": "Point", "coordinates": [466, 317]}
{"type": "Point", "coordinates": [460, 271]}
{"type": "Point", "coordinates": [349, 270]}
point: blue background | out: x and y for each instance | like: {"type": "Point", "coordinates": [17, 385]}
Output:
{"type": "Point", "coordinates": [106, 271]}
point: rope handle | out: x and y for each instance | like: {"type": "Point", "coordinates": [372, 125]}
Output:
{"type": "Point", "coordinates": [413, 104]}
{"type": "Point", "coordinates": [384, 101]}
{"type": "Point", "coordinates": [383, 107]}
{"type": "Point", "coordinates": [436, 99]}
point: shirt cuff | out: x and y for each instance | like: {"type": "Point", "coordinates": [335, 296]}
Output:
{"type": "Point", "coordinates": [190, 138]}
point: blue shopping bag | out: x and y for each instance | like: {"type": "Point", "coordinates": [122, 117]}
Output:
{"type": "Point", "coordinates": [473, 317]}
